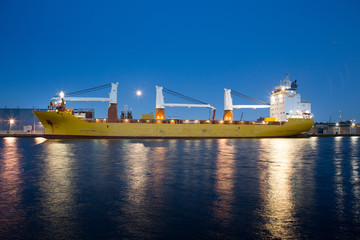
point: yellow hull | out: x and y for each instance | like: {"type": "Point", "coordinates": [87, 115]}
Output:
{"type": "Point", "coordinates": [66, 125]}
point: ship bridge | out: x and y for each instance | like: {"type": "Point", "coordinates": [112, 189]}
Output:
{"type": "Point", "coordinates": [286, 102]}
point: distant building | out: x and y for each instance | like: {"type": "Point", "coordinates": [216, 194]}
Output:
{"type": "Point", "coordinates": [341, 128]}
{"type": "Point", "coordinates": [20, 119]}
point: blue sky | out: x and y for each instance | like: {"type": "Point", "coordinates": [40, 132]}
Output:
{"type": "Point", "coordinates": [197, 48]}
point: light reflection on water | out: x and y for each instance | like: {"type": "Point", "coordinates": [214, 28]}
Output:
{"type": "Point", "coordinates": [11, 212]}
{"type": "Point", "coordinates": [355, 181]}
{"type": "Point", "coordinates": [224, 182]}
{"type": "Point", "coordinates": [338, 178]}
{"type": "Point", "coordinates": [137, 167]}
{"type": "Point", "coordinates": [57, 187]}
{"type": "Point", "coordinates": [39, 140]}
{"type": "Point", "coordinates": [277, 161]}
{"type": "Point", "coordinates": [226, 188]}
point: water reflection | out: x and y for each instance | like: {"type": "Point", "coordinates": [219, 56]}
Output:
{"type": "Point", "coordinates": [303, 180]}
{"type": "Point", "coordinates": [134, 207]}
{"type": "Point", "coordinates": [158, 172]}
{"type": "Point", "coordinates": [354, 179]}
{"type": "Point", "coordinates": [224, 185]}
{"type": "Point", "coordinates": [11, 212]}
{"type": "Point", "coordinates": [58, 188]}
{"type": "Point", "coordinates": [277, 170]}
{"type": "Point", "coordinates": [39, 140]}
{"type": "Point", "coordinates": [338, 177]}
{"type": "Point", "coordinates": [270, 188]}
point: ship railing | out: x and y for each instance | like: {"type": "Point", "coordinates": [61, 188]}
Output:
{"type": "Point", "coordinates": [190, 122]}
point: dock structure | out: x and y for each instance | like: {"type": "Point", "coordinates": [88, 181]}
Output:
{"type": "Point", "coordinates": [347, 128]}
{"type": "Point", "coordinates": [21, 134]}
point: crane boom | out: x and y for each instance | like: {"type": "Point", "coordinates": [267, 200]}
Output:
{"type": "Point", "coordinates": [250, 106]}
{"type": "Point", "coordinates": [188, 105]}
{"type": "Point", "coordinates": [228, 104]}
{"type": "Point", "coordinates": [82, 99]}
{"type": "Point", "coordinates": [111, 99]}
{"type": "Point", "coordinates": [160, 103]}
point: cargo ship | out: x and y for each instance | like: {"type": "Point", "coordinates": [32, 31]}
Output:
{"type": "Point", "coordinates": [289, 116]}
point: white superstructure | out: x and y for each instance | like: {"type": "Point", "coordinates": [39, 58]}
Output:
{"type": "Point", "coordinates": [285, 102]}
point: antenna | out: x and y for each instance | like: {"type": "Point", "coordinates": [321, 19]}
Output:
{"type": "Point", "coordinates": [340, 116]}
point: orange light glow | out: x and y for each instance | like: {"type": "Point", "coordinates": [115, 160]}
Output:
{"type": "Point", "coordinates": [228, 115]}
{"type": "Point", "coordinates": [160, 113]}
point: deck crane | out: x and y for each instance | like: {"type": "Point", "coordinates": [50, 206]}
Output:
{"type": "Point", "coordinates": [160, 103]}
{"type": "Point", "coordinates": [228, 104]}
{"type": "Point", "coordinates": [112, 99]}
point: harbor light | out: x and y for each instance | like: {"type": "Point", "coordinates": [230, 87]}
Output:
{"type": "Point", "coordinates": [138, 93]}
{"type": "Point", "coordinates": [353, 123]}
{"type": "Point", "coordinates": [11, 122]}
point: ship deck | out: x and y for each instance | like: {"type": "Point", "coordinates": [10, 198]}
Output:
{"type": "Point", "coordinates": [178, 121]}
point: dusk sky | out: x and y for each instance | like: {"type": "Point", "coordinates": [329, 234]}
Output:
{"type": "Point", "coordinates": [197, 48]}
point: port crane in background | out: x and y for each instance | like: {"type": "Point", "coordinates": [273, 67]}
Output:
{"type": "Point", "coordinates": [228, 104]}
{"type": "Point", "coordinates": [160, 103]}
{"type": "Point", "coordinates": [112, 99]}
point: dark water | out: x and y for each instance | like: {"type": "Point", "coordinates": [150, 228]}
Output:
{"type": "Point", "coordinates": [166, 189]}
